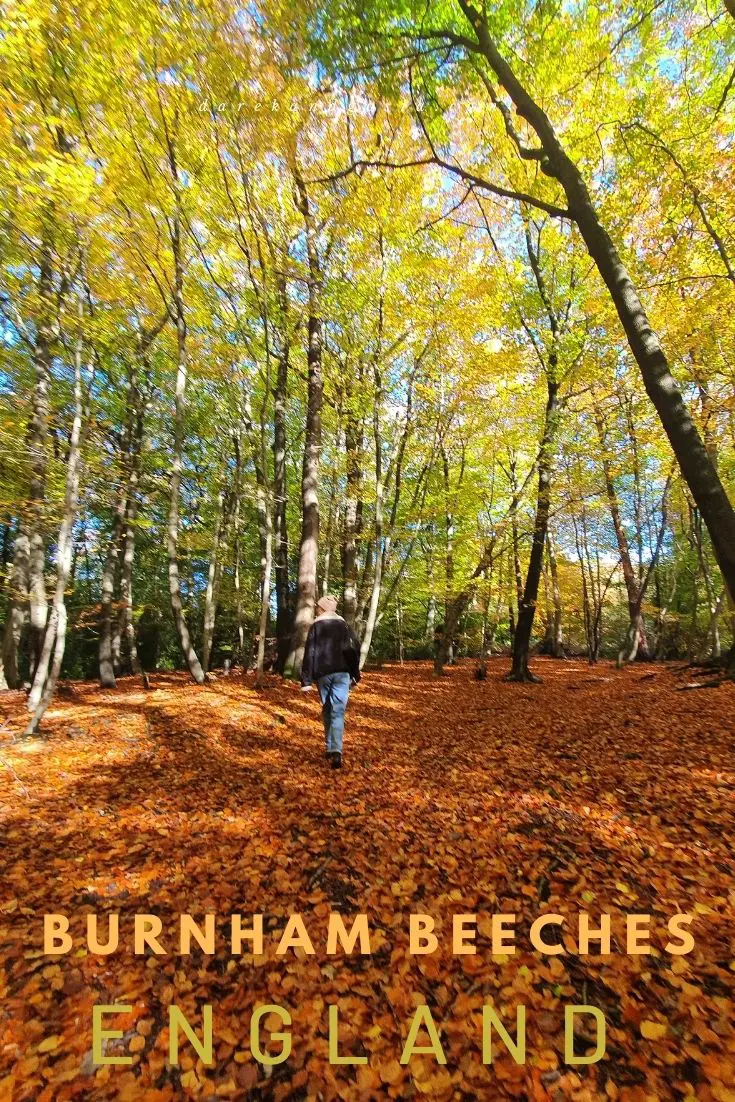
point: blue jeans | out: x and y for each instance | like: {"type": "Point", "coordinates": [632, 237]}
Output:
{"type": "Point", "coordinates": [334, 689]}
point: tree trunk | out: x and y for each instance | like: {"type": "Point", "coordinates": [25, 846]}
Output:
{"type": "Point", "coordinates": [696, 466]}
{"type": "Point", "coordinates": [485, 619]}
{"type": "Point", "coordinates": [124, 627]}
{"type": "Point", "coordinates": [512, 624]}
{"type": "Point", "coordinates": [127, 626]}
{"type": "Point", "coordinates": [546, 642]}
{"type": "Point", "coordinates": [54, 642]}
{"type": "Point", "coordinates": [4, 555]}
{"type": "Point", "coordinates": [713, 628]}
{"type": "Point", "coordinates": [265, 584]}
{"type": "Point", "coordinates": [589, 601]}
{"type": "Point", "coordinates": [17, 606]}
{"type": "Point", "coordinates": [210, 595]}
{"type": "Point", "coordinates": [280, 500]}
{"type": "Point", "coordinates": [372, 611]}
{"type": "Point", "coordinates": [527, 607]}
{"type": "Point", "coordinates": [309, 547]}
{"type": "Point", "coordinates": [239, 655]}
{"type": "Point", "coordinates": [448, 645]}
{"type": "Point", "coordinates": [636, 644]}
{"type": "Point", "coordinates": [265, 531]}
{"type": "Point", "coordinates": [557, 642]}
{"type": "Point", "coordinates": [37, 433]}
{"type": "Point", "coordinates": [527, 601]}
{"type": "Point", "coordinates": [382, 539]}
{"type": "Point", "coordinates": [379, 549]}
{"type": "Point", "coordinates": [663, 608]}
{"type": "Point", "coordinates": [117, 637]}
{"type": "Point", "coordinates": [331, 509]}
{"type": "Point", "coordinates": [106, 664]}
{"type": "Point", "coordinates": [715, 604]}
{"type": "Point", "coordinates": [454, 611]}
{"type": "Point", "coordinates": [496, 615]}
{"type": "Point", "coordinates": [172, 525]}
{"type": "Point", "coordinates": [364, 589]}
{"type": "Point", "coordinates": [456, 608]}
{"type": "Point", "coordinates": [353, 513]}
{"type": "Point", "coordinates": [430, 618]}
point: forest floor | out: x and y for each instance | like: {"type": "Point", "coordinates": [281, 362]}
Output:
{"type": "Point", "coordinates": [600, 790]}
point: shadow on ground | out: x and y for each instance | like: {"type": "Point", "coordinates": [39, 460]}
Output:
{"type": "Point", "coordinates": [605, 791]}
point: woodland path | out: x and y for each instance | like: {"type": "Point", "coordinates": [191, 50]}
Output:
{"type": "Point", "coordinates": [598, 790]}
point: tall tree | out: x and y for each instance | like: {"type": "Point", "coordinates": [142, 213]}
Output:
{"type": "Point", "coordinates": [309, 544]}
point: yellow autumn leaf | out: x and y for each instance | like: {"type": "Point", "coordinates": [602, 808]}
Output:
{"type": "Point", "coordinates": [653, 1031]}
{"type": "Point", "coordinates": [49, 1044]}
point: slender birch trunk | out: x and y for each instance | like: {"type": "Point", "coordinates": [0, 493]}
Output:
{"type": "Point", "coordinates": [172, 525]}
{"type": "Point", "coordinates": [210, 596]}
{"type": "Point", "coordinates": [713, 628]}
{"type": "Point", "coordinates": [37, 434]}
{"type": "Point", "coordinates": [54, 642]}
{"type": "Point", "coordinates": [527, 606]}
{"type": "Point", "coordinates": [265, 583]}
{"type": "Point", "coordinates": [372, 611]}
{"type": "Point", "coordinates": [448, 551]}
{"type": "Point", "coordinates": [280, 499]}
{"type": "Point", "coordinates": [257, 439]}
{"type": "Point", "coordinates": [122, 544]}
{"type": "Point", "coordinates": [661, 617]}
{"type": "Point", "coordinates": [431, 601]}
{"type": "Point", "coordinates": [239, 655]}
{"type": "Point", "coordinates": [557, 642]}
{"type": "Point", "coordinates": [364, 589]}
{"type": "Point", "coordinates": [127, 626]}
{"type": "Point", "coordinates": [353, 510]}
{"type": "Point", "coordinates": [636, 635]}
{"type": "Point", "coordinates": [106, 664]}
{"type": "Point", "coordinates": [515, 602]}
{"type": "Point", "coordinates": [383, 531]}
{"type": "Point", "coordinates": [381, 550]}
{"type": "Point", "coordinates": [309, 547]}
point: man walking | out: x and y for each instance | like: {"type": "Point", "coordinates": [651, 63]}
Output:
{"type": "Point", "coordinates": [332, 660]}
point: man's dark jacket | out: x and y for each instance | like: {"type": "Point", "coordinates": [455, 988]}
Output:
{"type": "Point", "coordinates": [331, 647]}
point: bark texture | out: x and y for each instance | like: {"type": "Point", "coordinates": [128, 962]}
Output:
{"type": "Point", "coordinates": [309, 545]}
{"type": "Point", "coordinates": [172, 524]}
{"type": "Point", "coordinates": [51, 656]}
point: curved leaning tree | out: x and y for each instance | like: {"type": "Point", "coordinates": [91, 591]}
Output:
{"type": "Point", "coordinates": [545, 74]}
